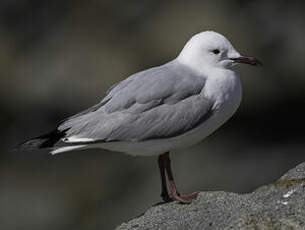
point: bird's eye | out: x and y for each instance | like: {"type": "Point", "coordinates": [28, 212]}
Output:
{"type": "Point", "coordinates": [216, 51]}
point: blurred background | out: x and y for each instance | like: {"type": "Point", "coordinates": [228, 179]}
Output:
{"type": "Point", "coordinates": [59, 57]}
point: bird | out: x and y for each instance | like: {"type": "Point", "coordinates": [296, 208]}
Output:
{"type": "Point", "coordinates": [159, 110]}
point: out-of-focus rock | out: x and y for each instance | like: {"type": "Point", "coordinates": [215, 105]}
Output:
{"type": "Point", "coordinates": [279, 205]}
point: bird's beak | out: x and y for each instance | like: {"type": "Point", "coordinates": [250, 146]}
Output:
{"type": "Point", "coordinates": [247, 60]}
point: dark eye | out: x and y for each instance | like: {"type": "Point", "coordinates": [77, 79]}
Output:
{"type": "Point", "coordinates": [216, 51]}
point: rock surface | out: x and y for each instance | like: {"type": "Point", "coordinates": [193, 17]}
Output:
{"type": "Point", "coordinates": [280, 206]}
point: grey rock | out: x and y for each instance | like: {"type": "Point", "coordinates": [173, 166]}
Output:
{"type": "Point", "coordinates": [279, 205]}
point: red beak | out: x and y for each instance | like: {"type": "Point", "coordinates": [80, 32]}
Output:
{"type": "Point", "coordinates": [247, 60]}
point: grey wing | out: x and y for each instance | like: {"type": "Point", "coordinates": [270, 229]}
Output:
{"type": "Point", "coordinates": [161, 102]}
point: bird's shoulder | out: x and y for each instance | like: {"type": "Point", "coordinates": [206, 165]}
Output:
{"type": "Point", "coordinates": [170, 83]}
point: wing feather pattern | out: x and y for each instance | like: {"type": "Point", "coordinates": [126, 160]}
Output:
{"type": "Point", "coordinates": [161, 102]}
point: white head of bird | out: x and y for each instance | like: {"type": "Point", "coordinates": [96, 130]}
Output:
{"type": "Point", "coordinates": [210, 49]}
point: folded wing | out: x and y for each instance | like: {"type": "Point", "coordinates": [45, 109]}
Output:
{"type": "Point", "coordinates": [161, 102]}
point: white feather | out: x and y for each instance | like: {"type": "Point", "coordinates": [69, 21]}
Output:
{"type": "Point", "coordinates": [75, 139]}
{"type": "Point", "coordinates": [67, 148]}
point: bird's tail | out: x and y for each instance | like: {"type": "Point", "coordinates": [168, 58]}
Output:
{"type": "Point", "coordinates": [44, 141]}
{"type": "Point", "coordinates": [49, 141]}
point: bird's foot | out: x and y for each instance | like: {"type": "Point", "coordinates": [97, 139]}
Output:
{"type": "Point", "coordinates": [190, 196]}
{"type": "Point", "coordinates": [185, 198]}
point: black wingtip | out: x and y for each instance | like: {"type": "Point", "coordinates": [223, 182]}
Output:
{"type": "Point", "coordinates": [44, 141]}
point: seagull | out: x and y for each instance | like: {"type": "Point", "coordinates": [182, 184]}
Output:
{"type": "Point", "coordinates": [161, 109]}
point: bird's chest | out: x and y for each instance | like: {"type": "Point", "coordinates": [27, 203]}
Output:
{"type": "Point", "coordinates": [225, 93]}
{"type": "Point", "coordinates": [225, 90]}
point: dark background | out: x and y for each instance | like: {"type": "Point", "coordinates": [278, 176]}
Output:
{"type": "Point", "coordinates": [59, 57]}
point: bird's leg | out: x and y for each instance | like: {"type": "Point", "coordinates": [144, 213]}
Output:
{"type": "Point", "coordinates": [164, 193]}
{"type": "Point", "coordinates": [173, 190]}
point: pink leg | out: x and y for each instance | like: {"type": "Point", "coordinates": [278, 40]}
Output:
{"type": "Point", "coordinates": [186, 198]}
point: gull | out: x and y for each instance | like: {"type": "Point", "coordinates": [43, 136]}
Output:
{"type": "Point", "coordinates": [161, 109]}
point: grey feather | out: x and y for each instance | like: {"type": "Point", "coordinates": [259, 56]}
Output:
{"type": "Point", "coordinates": [161, 102]}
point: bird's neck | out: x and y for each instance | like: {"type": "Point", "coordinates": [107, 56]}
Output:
{"type": "Point", "coordinates": [195, 64]}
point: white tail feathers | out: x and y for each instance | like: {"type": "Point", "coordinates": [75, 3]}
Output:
{"type": "Point", "coordinates": [67, 149]}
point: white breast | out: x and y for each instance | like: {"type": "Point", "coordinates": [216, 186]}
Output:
{"type": "Point", "coordinates": [224, 88]}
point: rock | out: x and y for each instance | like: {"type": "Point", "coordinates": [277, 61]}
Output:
{"type": "Point", "coordinates": [279, 205]}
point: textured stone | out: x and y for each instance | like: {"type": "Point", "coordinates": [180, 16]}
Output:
{"type": "Point", "coordinates": [279, 205]}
